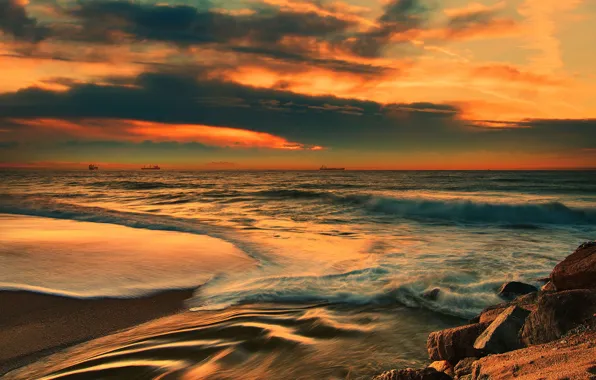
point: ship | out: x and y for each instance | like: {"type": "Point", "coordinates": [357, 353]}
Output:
{"type": "Point", "coordinates": [326, 168]}
{"type": "Point", "coordinates": [93, 167]}
{"type": "Point", "coordinates": [151, 167]}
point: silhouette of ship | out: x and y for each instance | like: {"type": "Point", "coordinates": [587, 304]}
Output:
{"type": "Point", "coordinates": [150, 167]}
{"type": "Point", "coordinates": [326, 168]}
{"type": "Point", "coordinates": [93, 167]}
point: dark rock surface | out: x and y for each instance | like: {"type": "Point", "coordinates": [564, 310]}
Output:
{"type": "Point", "coordinates": [558, 313]}
{"type": "Point", "coordinates": [489, 314]}
{"type": "Point", "coordinates": [512, 289]}
{"type": "Point", "coordinates": [464, 367]}
{"type": "Point", "coordinates": [432, 294]}
{"type": "Point", "coordinates": [578, 270]}
{"type": "Point", "coordinates": [454, 344]}
{"type": "Point", "coordinates": [503, 333]}
{"type": "Point", "coordinates": [413, 374]}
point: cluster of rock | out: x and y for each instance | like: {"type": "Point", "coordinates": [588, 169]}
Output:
{"type": "Point", "coordinates": [485, 348]}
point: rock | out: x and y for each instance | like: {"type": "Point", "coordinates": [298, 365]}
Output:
{"type": "Point", "coordinates": [454, 344]}
{"type": "Point", "coordinates": [527, 301]}
{"type": "Point", "coordinates": [512, 289]}
{"type": "Point", "coordinates": [503, 333]}
{"type": "Point", "coordinates": [464, 367]}
{"type": "Point", "coordinates": [465, 377]}
{"type": "Point", "coordinates": [548, 287]}
{"type": "Point", "coordinates": [578, 270]}
{"type": "Point", "coordinates": [558, 313]}
{"type": "Point", "coordinates": [431, 295]}
{"type": "Point", "coordinates": [443, 366]}
{"type": "Point", "coordinates": [544, 280]}
{"type": "Point", "coordinates": [413, 374]}
{"type": "Point", "coordinates": [556, 360]}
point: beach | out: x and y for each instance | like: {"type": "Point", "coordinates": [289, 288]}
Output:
{"type": "Point", "coordinates": [33, 325]}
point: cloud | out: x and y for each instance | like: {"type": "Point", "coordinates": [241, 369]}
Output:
{"type": "Point", "coordinates": [179, 99]}
{"type": "Point", "coordinates": [138, 131]}
{"type": "Point", "coordinates": [513, 74]}
{"type": "Point", "coordinates": [177, 107]}
{"type": "Point", "coordinates": [109, 21]}
{"type": "Point", "coordinates": [398, 17]}
{"type": "Point", "coordinates": [15, 22]}
{"type": "Point", "coordinates": [478, 19]}
{"type": "Point", "coordinates": [541, 28]}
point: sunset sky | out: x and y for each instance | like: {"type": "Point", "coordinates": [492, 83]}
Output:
{"type": "Point", "coordinates": [293, 84]}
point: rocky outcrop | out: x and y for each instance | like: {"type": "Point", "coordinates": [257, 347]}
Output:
{"type": "Point", "coordinates": [556, 324]}
{"type": "Point", "coordinates": [413, 374]}
{"type": "Point", "coordinates": [569, 358]}
{"type": "Point", "coordinates": [578, 270]}
{"type": "Point", "coordinates": [489, 314]}
{"type": "Point", "coordinates": [443, 366]}
{"type": "Point", "coordinates": [556, 314]}
{"type": "Point", "coordinates": [464, 367]}
{"type": "Point", "coordinates": [512, 289]}
{"type": "Point", "coordinates": [503, 333]}
{"type": "Point", "coordinates": [454, 344]}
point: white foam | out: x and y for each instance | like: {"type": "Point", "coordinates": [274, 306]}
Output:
{"type": "Point", "coordinates": [91, 259]}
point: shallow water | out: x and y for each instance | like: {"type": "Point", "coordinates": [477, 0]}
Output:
{"type": "Point", "coordinates": [254, 342]}
{"type": "Point", "coordinates": [356, 240]}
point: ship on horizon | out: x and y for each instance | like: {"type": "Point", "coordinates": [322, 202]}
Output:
{"type": "Point", "coordinates": [93, 167]}
{"type": "Point", "coordinates": [150, 167]}
{"type": "Point", "coordinates": [326, 168]}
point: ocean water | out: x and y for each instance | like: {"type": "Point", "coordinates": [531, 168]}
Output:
{"type": "Point", "coordinates": [301, 274]}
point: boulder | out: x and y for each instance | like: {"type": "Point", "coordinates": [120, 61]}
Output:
{"type": "Point", "coordinates": [578, 270]}
{"type": "Point", "coordinates": [558, 313]}
{"type": "Point", "coordinates": [432, 294]}
{"type": "Point", "coordinates": [489, 314]}
{"type": "Point", "coordinates": [512, 289]}
{"type": "Point", "coordinates": [503, 333]}
{"type": "Point", "coordinates": [443, 366]}
{"type": "Point", "coordinates": [412, 374]}
{"type": "Point", "coordinates": [464, 367]}
{"type": "Point", "coordinates": [454, 344]}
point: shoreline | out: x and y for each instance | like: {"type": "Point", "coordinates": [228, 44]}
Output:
{"type": "Point", "coordinates": [47, 323]}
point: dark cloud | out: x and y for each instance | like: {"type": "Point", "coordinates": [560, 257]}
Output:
{"type": "Point", "coordinates": [484, 20]}
{"type": "Point", "coordinates": [15, 22]}
{"type": "Point", "coordinates": [172, 97]}
{"type": "Point", "coordinates": [399, 16]}
{"type": "Point", "coordinates": [179, 98]}
{"type": "Point", "coordinates": [106, 21]}
{"type": "Point", "coordinates": [470, 20]}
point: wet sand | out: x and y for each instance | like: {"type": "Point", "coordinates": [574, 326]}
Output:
{"type": "Point", "coordinates": [33, 325]}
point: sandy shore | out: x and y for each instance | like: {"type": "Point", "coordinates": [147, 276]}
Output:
{"type": "Point", "coordinates": [33, 325]}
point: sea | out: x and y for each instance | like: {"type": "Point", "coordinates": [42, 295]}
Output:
{"type": "Point", "coordinates": [299, 274]}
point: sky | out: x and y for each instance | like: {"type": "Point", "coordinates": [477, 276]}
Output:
{"type": "Point", "coordinates": [294, 84]}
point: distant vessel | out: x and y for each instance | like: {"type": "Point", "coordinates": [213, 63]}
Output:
{"type": "Point", "coordinates": [151, 167]}
{"type": "Point", "coordinates": [93, 167]}
{"type": "Point", "coordinates": [326, 168]}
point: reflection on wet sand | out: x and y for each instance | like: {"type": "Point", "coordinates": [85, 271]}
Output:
{"type": "Point", "coordinates": [250, 342]}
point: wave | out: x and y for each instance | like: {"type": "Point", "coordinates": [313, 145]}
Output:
{"type": "Point", "coordinates": [458, 210]}
{"type": "Point", "coordinates": [376, 286]}
{"type": "Point", "coordinates": [469, 211]}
